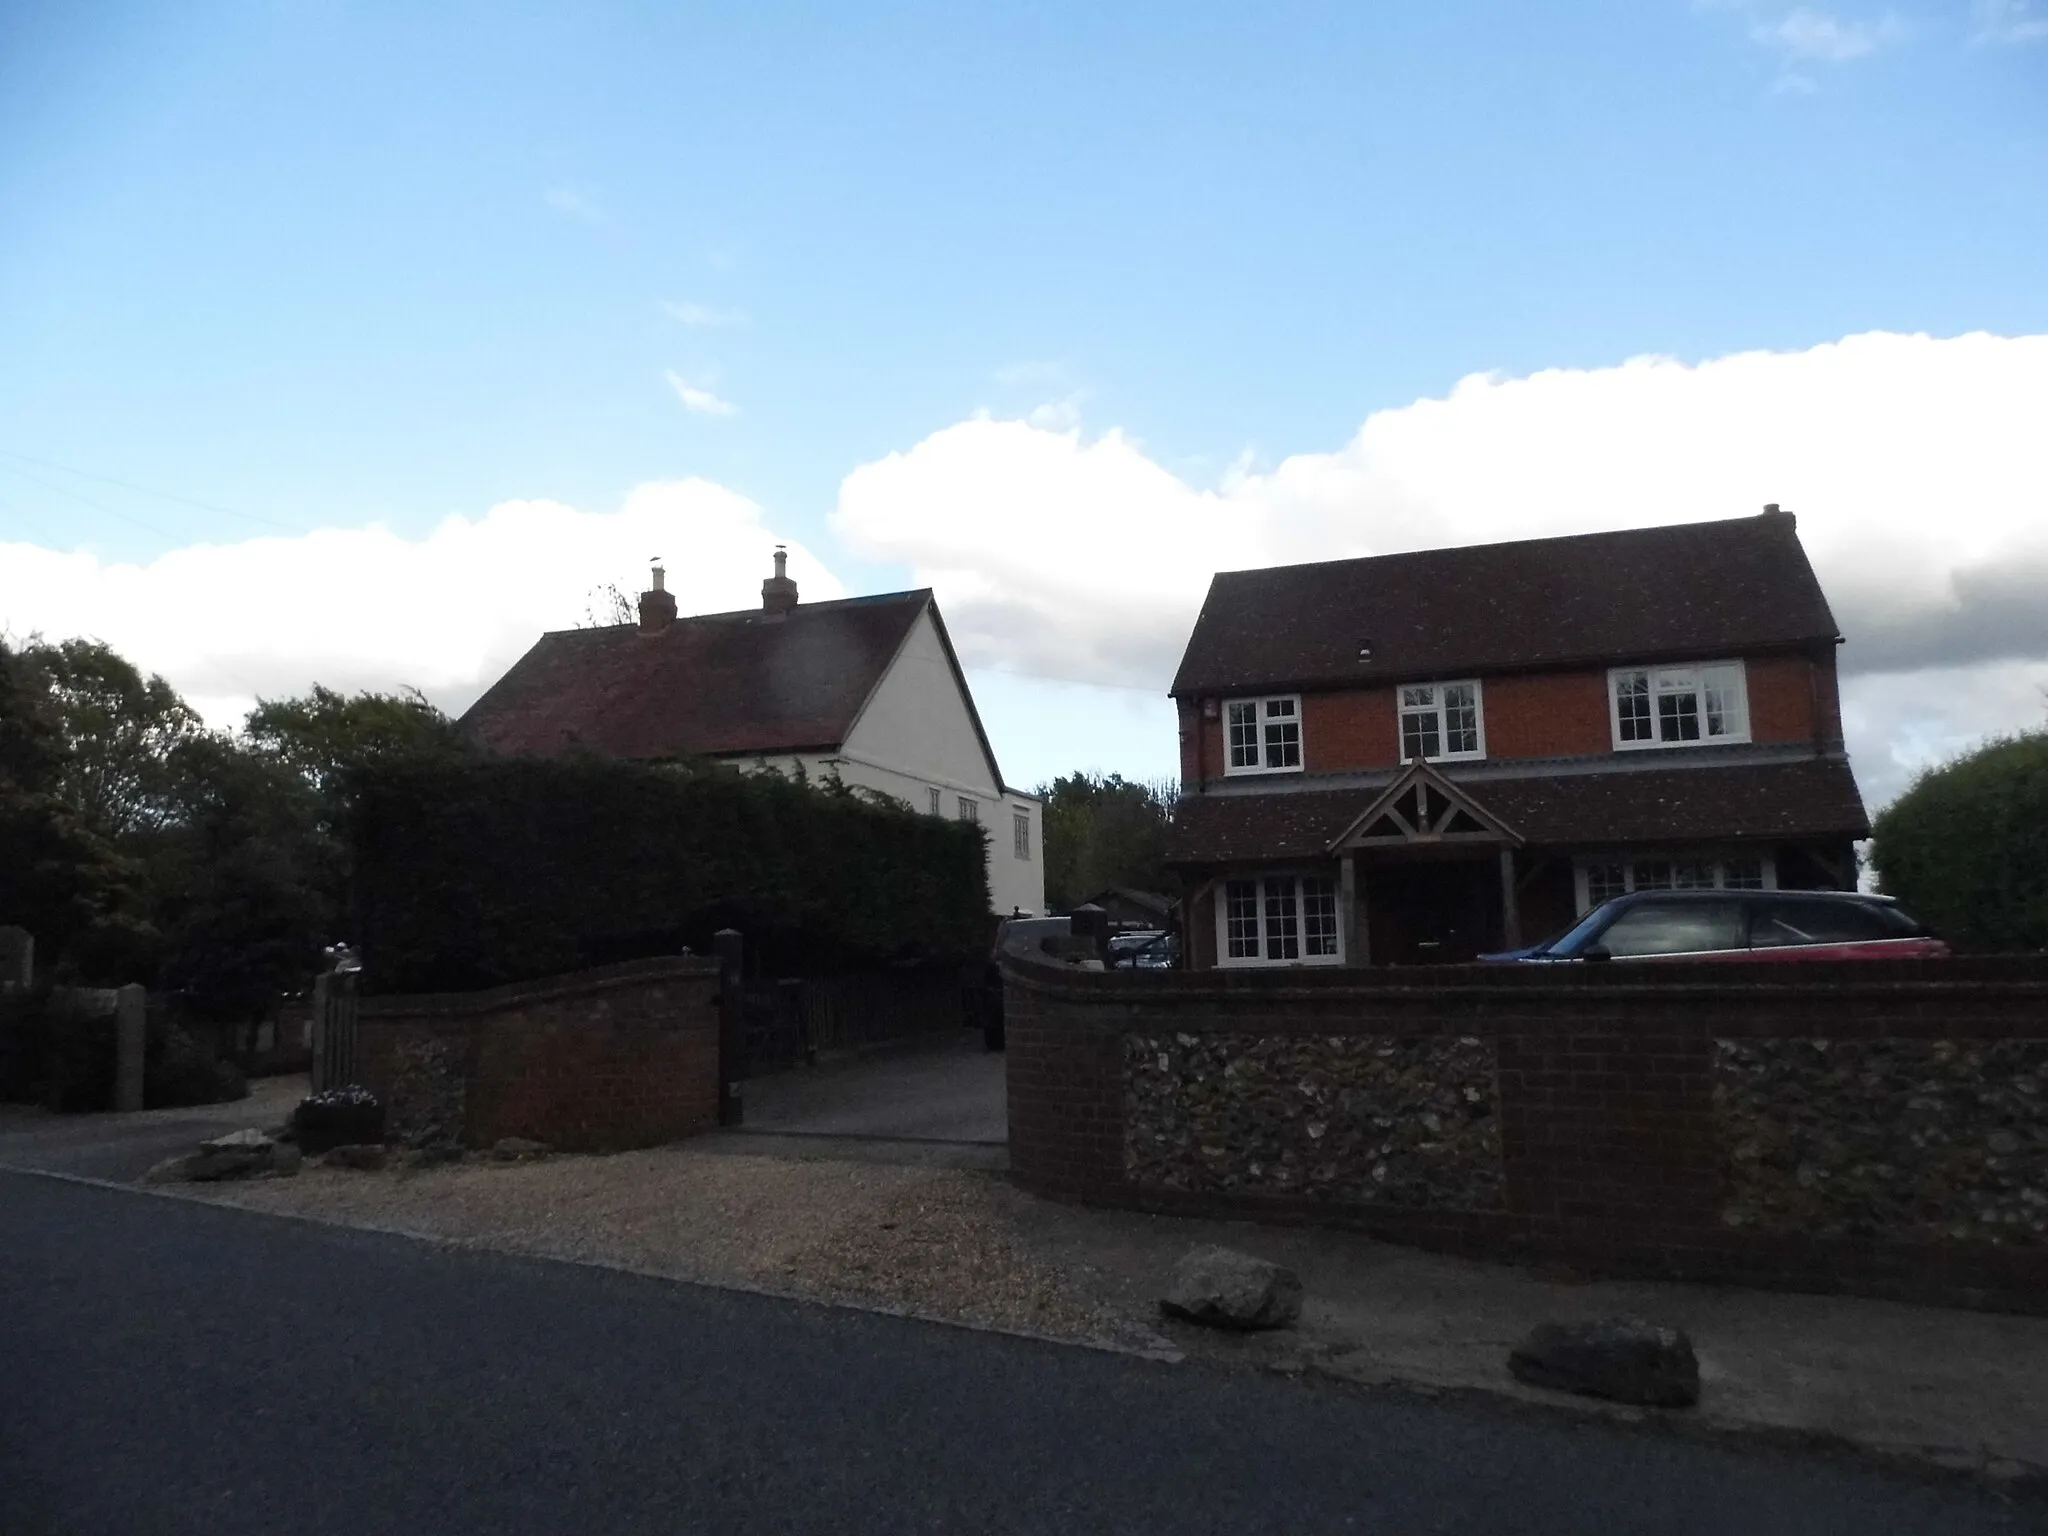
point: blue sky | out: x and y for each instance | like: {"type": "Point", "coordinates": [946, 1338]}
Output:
{"type": "Point", "coordinates": [329, 265]}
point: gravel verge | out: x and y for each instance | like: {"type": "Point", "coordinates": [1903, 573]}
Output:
{"type": "Point", "coordinates": [939, 1242]}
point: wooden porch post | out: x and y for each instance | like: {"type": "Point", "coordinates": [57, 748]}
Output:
{"type": "Point", "coordinates": [1351, 912]}
{"type": "Point", "coordinates": [1510, 912]}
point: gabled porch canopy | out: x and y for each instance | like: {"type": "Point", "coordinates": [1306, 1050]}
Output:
{"type": "Point", "coordinates": [1423, 808]}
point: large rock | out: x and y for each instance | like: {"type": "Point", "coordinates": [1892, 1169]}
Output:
{"type": "Point", "coordinates": [366, 1156]}
{"type": "Point", "coordinates": [228, 1163]}
{"type": "Point", "coordinates": [286, 1160]}
{"type": "Point", "coordinates": [512, 1149]}
{"type": "Point", "coordinates": [1225, 1289]}
{"type": "Point", "coordinates": [1622, 1358]}
{"type": "Point", "coordinates": [172, 1170]}
{"type": "Point", "coordinates": [238, 1141]}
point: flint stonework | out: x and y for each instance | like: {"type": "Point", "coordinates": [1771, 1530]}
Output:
{"type": "Point", "coordinates": [1368, 1119]}
{"type": "Point", "coordinates": [1922, 1139]}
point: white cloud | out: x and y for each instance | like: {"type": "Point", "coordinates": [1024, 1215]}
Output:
{"type": "Point", "coordinates": [574, 203]}
{"type": "Point", "coordinates": [2010, 21]}
{"type": "Point", "coordinates": [1815, 35]}
{"type": "Point", "coordinates": [1916, 465]}
{"type": "Point", "coordinates": [706, 316]}
{"type": "Point", "coordinates": [700, 402]}
{"type": "Point", "coordinates": [367, 608]}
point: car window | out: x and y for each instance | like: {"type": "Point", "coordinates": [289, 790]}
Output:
{"type": "Point", "coordinates": [1673, 928]}
{"type": "Point", "coordinates": [1810, 920]}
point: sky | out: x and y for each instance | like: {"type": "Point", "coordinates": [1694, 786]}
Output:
{"type": "Point", "coordinates": [359, 344]}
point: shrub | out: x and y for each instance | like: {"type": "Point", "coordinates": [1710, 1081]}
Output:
{"type": "Point", "coordinates": [54, 1051]}
{"type": "Point", "coordinates": [1965, 849]}
{"type": "Point", "coordinates": [472, 875]}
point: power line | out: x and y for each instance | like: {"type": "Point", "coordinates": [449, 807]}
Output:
{"type": "Point", "coordinates": [1078, 682]}
{"type": "Point", "coordinates": [35, 526]}
{"type": "Point", "coordinates": [147, 490]}
{"type": "Point", "coordinates": [61, 490]}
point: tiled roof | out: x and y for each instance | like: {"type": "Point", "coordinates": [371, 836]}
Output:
{"type": "Point", "coordinates": [1693, 590]}
{"type": "Point", "coordinates": [1813, 797]}
{"type": "Point", "coordinates": [716, 683]}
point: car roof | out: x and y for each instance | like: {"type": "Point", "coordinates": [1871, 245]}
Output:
{"type": "Point", "coordinates": [1871, 897]}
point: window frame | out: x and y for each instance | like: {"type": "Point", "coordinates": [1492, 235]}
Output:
{"type": "Point", "coordinates": [1260, 879]}
{"type": "Point", "coordinates": [968, 809]}
{"type": "Point", "coordinates": [935, 799]}
{"type": "Point", "coordinates": [1702, 683]}
{"type": "Point", "coordinates": [1402, 709]}
{"type": "Point", "coordinates": [1261, 705]}
{"type": "Point", "coordinates": [1721, 863]}
{"type": "Point", "coordinates": [1020, 836]}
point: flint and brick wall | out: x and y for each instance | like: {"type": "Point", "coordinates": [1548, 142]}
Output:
{"type": "Point", "coordinates": [600, 1060]}
{"type": "Point", "coordinates": [1881, 1129]}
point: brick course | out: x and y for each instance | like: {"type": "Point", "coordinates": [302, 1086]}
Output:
{"type": "Point", "coordinates": [1526, 714]}
{"type": "Point", "coordinates": [600, 1060]}
{"type": "Point", "coordinates": [1614, 1157]}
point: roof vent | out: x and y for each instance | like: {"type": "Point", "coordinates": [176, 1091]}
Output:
{"type": "Point", "coordinates": [778, 592]}
{"type": "Point", "coordinates": [657, 604]}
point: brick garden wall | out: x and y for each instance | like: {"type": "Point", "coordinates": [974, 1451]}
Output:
{"type": "Point", "coordinates": [1873, 1128]}
{"type": "Point", "coordinates": [600, 1060]}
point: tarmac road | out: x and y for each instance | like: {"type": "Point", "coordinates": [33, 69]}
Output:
{"type": "Point", "coordinates": [167, 1366]}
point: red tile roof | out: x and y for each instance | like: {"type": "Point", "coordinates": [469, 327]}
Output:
{"type": "Point", "coordinates": [1813, 797]}
{"type": "Point", "coordinates": [1692, 590]}
{"type": "Point", "coordinates": [713, 684]}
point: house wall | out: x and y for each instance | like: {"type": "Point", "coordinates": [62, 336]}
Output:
{"type": "Point", "coordinates": [1533, 714]}
{"type": "Point", "coordinates": [600, 1060]}
{"type": "Point", "coordinates": [1878, 1128]}
{"type": "Point", "coordinates": [917, 735]}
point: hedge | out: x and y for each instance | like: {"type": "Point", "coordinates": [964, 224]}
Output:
{"type": "Point", "coordinates": [54, 1053]}
{"type": "Point", "coordinates": [475, 874]}
{"type": "Point", "coordinates": [1965, 850]}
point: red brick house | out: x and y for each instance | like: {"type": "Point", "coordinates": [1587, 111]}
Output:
{"type": "Point", "coordinates": [1420, 757]}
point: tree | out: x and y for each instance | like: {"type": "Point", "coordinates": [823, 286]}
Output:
{"type": "Point", "coordinates": [607, 606]}
{"type": "Point", "coordinates": [326, 735]}
{"type": "Point", "coordinates": [115, 733]}
{"type": "Point", "coordinates": [1965, 849]}
{"type": "Point", "coordinates": [1102, 831]}
{"type": "Point", "coordinates": [59, 878]}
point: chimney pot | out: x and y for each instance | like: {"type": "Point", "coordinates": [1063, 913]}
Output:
{"type": "Point", "coordinates": [778, 592]}
{"type": "Point", "coordinates": [657, 604]}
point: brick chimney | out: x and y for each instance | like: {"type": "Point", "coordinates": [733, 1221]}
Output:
{"type": "Point", "coordinates": [778, 592]}
{"type": "Point", "coordinates": [657, 605]}
{"type": "Point", "coordinates": [1772, 509]}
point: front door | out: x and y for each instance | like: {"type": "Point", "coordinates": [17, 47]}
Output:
{"type": "Point", "coordinates": [1433, 913]}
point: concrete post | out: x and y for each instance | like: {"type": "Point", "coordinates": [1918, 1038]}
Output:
{"type": "Point", "coordinates": [322, 985]}
{"type": "Point", "coordinates": [131, 1039]}
{"type": "Point", "coordinates": [17, 957]}
{"type": "Point", "coordinates": [732, 1026]}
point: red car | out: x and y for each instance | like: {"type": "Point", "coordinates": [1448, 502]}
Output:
{"type": "Point", "coordinates": [1738, 925]}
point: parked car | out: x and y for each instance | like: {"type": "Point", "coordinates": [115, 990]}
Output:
{"type": "Point", "coordinates": [1737, 925]}
{"type": "Point", "coordinates": [1144, 949]}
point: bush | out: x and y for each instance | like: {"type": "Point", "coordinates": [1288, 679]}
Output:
{"type": "Point", "coordinates": [1965, 850]}
{"type": "Point", "coordinates": [338, 1117]}
{"type": "Point", "coordinates": [472, 875]}
{"type": "Point", "coordinates": [54, 1052]}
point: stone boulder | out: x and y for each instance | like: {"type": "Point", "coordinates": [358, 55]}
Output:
{"type": "Point", "coordinates": [513, 1149]}
{"type": "Point", "coordinates": [286, 1160]}
{"type": "Point", "coordinates": [238, 1141]}
{"type": "Point", "coordinates": [1622, 1358]}
{"type": "Point", "coordinates": [367, 1157]}
{"type": "Point", "coordinates": [209, 1167]}
{"type": "Point", "coordinates": [1221, 1288]}
{"type": "Point", "coordinates": [176, 1169]}
{"type": "Point", "coordinates": [434, 1155]}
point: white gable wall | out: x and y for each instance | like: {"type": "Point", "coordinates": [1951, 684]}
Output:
{"type": "Point", "coordinates": [917, 735]}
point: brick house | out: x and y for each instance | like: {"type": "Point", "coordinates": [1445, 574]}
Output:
{"type": "Point", "coordinates": [865, 689]}
{"type": "Point", "coordinates": [1421, 757]}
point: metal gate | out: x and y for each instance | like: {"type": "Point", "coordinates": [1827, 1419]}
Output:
{"type": "Point", "coordinates": [334, 1029]}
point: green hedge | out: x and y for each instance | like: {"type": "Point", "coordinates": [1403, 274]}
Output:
{"type": "Point", "coordinates": [472, 875]}
{"type": "Point", "coordinates": [54, 1054]}
{"type": "Point", "coordinates": [1965, 850]}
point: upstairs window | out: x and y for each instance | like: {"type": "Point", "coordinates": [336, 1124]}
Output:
{"type": "Point", "coordinates": [1678, 706]}
{"type": "Point", "coordinates": [1441, 720]}
{"type": "Point", "coordinates": [934, 795]}
{"type": "Point", "coordinates": [1262, 735]}
{"type": "Point", "coordinates": [1020, 830]}
{"type": "Point", "coordinates": [969, 811]}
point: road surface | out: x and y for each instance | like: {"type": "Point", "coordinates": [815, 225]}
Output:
{"type": "Point", "coordinates": [167, 1366]}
